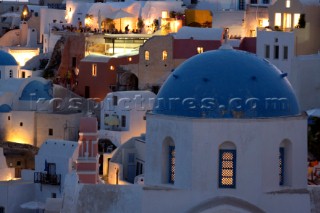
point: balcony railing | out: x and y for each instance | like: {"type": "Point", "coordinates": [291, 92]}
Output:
{"type": "Point", "coordinates": [44, 178]}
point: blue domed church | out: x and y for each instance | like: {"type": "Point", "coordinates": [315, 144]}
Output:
{"type": "Point", "coordinates": [9, 67]}
{"type": "Point", "coordinates": [226, 135]}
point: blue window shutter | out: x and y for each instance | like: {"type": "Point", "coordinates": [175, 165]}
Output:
{"type": "Point", "coordinates": [172, 164]}
{"type": "Point", "coordinates": [227, 168]}
{"type": "Point", "coordinates": [281, 166]}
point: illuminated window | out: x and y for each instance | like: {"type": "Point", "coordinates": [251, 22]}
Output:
{"type": "Point", "coordinates": [164, 14]}
{"type": "Point", "coordinates": [287, 20]}
{"type": "Point", "coordinates": [288, 3]}
{"type": "Point", "coordinates": [277, 20]}
{"type": "Point", "coordinates": [164, 55]}
{"type": "Point", "coordinates": [129, 59]}
{"type": "Point", "coordinates": [285, 52]}
{"type": "Point", "coordinates": [172, 163]}
{"type": "Point", "coordinates": [94, 70]}
{"type": "Point", "coordinates": [227, 168]}
{"type": "Point", "coordinates": [267, 52]}
{"type": "Point", "coordinates": [111, 67]}
{"type": "Point", "coordinates": [296, 18]}
{"type": "Point", "coordinates": [146, 55]}
{"type": "Point", "coordinates": [200, 50]}
{"type": "Point", "coordinates": [281, 166]}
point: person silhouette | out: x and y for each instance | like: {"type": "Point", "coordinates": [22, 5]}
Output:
{"type": "Point", "coordinates": [126, 29]}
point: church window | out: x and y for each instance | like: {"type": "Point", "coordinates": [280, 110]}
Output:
{"type": "Point", "coordinates": [169, 161]}
{"type": "Point", "coordinates": [227, 168]}
{"type": "Point", "coordinates": [172, 163]}
{"type": "Point", "coordinates": [281, 166]}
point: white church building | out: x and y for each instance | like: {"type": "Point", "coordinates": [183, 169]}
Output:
{"type": "Point", "coordinates": [226, 135]}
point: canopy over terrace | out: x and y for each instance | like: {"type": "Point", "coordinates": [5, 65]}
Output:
{"type": "Point", "coordinates": [147, 10]}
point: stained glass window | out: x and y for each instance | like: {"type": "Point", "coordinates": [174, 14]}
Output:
{"type": "Point", "coordinates": [172, 163]}
{"type": "Point", "coordinates": [227, 168]}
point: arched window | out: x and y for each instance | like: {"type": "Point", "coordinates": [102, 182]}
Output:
{"type": "Point", "coordinates": [285, 162]}
{"type": "Point", "coordinates": [164, 55]}
{"type": "Point", "coordinates": [169, 161]}
{"type": "Point", "coordinates": [146, 55]}
{"type": "Point", "coordinates": [227, 165]}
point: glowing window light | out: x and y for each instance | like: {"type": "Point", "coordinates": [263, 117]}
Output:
{"type": "Point", "coordinates": [94, 70]}
{"type": "Point", "coordinates": [288, 3]}
{"type": "Point", "coordinates": [277, 20]}
{"type": "Point", "coordinates": [164, 14]}
{"type": "Point", "coordinates": [164, 55]}
{"type": "Point", "coordinates": [296, 18]}
{"type": "Point", "coordinates": [200, 50]}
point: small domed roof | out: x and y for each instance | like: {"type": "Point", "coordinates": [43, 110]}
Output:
{"type": "Point", "coordinates": [227, 83]}
{"type": "Point", "coordinates": [7, 59]}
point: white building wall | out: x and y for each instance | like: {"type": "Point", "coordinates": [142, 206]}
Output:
{"type": "Point", "coordinates": [305, 79]}
{"type": "Point", "coordinates": [64, 126]}
{"type": "Point", "coordinates": [64, 155]}
{"type": "Point", "coordinates": [281, 39]}
{"type": "Point", "coordinates": [6, 70]}
{"type": "Point", "coordinates": [197, 149]}
{"type": "Point", "coordinates": [11, 197]}
{"type": "Point", "coordinates": [46, 17]}
{"type": "Point", "coordinates": [20, 127]}
{"type": "Point", "coordinates": [131, 104]}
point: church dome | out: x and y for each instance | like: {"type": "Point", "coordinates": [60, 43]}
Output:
{"type": "Point", "coordinates": [226, 83]}
{"type": "Point", "coordinates": [7, 59]}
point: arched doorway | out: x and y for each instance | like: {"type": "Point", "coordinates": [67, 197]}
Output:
{"type": "Point", "coordinates": [128, 81]}
{"type": "Point", "coordinates": [224, 204]}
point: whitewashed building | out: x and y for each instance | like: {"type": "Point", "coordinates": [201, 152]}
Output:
{"type": "Point", "coordinates": [55, 160]}
{"type": "Point", "coordinates": [123, 115]}
{"type": "Point", "coordinates": [229, 139]}
{"type": "Point", "coordinates": [291, 43]}
{"type": "Point", "coordinates": [9, 67]}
